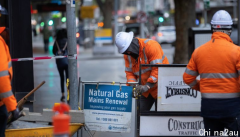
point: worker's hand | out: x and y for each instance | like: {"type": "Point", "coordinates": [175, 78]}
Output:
{"type": "Point", "coordinates": [16, 114]}
{"type": "Point", "coordinates": [142, 88]}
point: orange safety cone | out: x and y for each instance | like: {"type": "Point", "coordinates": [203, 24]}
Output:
{"type": "Point", "coordinates": [61, 120]}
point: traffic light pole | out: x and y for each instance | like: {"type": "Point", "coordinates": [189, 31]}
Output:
{"type": "Point", "coordinates": [115, 22]}
{"type": "Point", "coordinates": [142, 24]}
{"type": "Point", "coordinates": [72, 54]}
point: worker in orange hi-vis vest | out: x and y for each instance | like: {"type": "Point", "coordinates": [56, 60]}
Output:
{"type": "Point", "coordinates": [8, 102]}
{"type": "Point", "coordinates": [218, 64]}
{"type": "Point", "coordinates": [141, 51]}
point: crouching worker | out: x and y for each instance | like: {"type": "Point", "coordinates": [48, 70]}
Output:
{"type": "Point", "coordinates": [141, 51]}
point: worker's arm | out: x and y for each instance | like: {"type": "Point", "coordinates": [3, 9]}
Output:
{"type": "Point", "coordinates": [190, 75]}
{"type": "Point", "coordinates": [6, 95]}
{"type": "Point", "coordinates": [128, 70]}
{"type": "Point", "coordinates": [154, 55]}
{"type": "Point", "coordinates": [55, 48]}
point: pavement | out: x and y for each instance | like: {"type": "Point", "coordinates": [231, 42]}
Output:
{"type": "Point", "coordinates": [91, 67]}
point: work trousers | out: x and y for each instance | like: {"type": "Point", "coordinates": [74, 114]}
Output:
{"type": "Point", "coordinates": [216, 126]}
{"type": "Point", "coordinates": [61, 71]}
{"type": "Point", "coordinates": [146, 103]}
{"type": "Point", "coordinates": [3, 120]}
{"type": "Point", "coordinates": [46, 43]}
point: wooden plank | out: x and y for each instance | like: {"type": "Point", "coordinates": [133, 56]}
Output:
{"type": "Point", "coordinates": [77, 116]}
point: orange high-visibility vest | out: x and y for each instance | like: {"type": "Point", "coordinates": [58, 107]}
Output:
{"type": "Point", "coordinates": [6, 95]}
{"type": "Point", "coordinates": [150, 52]}
{"type": "Point", "coordinates": [218, 64]}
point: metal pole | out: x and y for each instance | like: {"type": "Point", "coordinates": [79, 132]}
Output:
{"type": "Point", "coordinates": [138, 104]}
{"type": "Point", "coordinates": [142, 24]}
{"type": "Point", "coordinates": [205, 17]}
{"type": "Point", "coordinates": [238, 22]}
{"type": "Point", "coordinates": [115, 22]}
{"type": "Point", "coordinates": [234, 9]}
{"type": "Point", "coordinates": [72, 60]}
{"type": "Point", "coordinates": [80, 132]}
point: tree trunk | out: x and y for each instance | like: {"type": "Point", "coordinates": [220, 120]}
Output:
{"type": "Point", "coordinates": [185, 17]}
{"type": "Point", "coordinates": [106, 9]}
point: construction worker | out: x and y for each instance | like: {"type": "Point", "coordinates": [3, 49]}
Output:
{"type": "Point", "coordinates": [8, 102]}
{"type": "Point", "coordinates": [141, 51]}
{"type": "Point", "coordinates": [218, 64]}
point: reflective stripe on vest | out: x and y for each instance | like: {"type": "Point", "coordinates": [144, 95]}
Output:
{"type": "Point", "coordinates": [220, 95]}
{"type": "Point", "coordinates": [193, 83]}
{"type": "Point", "coordinates": [128, 69]}
{"type": "Point", "coordinates": [218, 75]}
{"type": "Point", "coordinates": [154, 79]}
{"type": "Point", "coordinates": [143, 71]}
{"type": "Point", "coordinates": [158, 60]}
{"type": "Point", "coordinates": [191, 72]}
{"type": "Point", "coordinates": [9, 64]}
{"type": "Point", "coordinates": [130, 64]}
{"type": "Point", "coordinates": [6, 94]}
{"type": "Point", "coordinates": [239, 72]}
{"type": "Point", "coordinates": [145, 57]}
{"type": "Point", "coordinates": [132, 79]}
{"type": "Point", "coordinates": [146, 41]}
{"type": "Point", "coordinates": [4, 73]}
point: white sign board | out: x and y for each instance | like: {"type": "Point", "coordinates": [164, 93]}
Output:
{"type": "Point", "coordinates": [173, 93]}
{"type": "Point", "coordinates": [171, 126]}
{"type": "Point", "coordinates": [108, 108]}
{"type": "Point", "coordinates": [148, 5]}
{"type": "Point", "coordinates": [72, 3]}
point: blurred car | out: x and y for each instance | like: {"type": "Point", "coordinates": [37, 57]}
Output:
{"type": "Point", "coordinates": [135, 28]}
{"type": "Point", "coordinates": [166, 34]}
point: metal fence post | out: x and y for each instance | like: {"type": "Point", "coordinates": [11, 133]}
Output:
{"type": "Point", "coordinates": [72, 54]}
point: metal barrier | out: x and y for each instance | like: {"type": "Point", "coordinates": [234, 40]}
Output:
{"type": "Point", "coordinates": [162, 113]}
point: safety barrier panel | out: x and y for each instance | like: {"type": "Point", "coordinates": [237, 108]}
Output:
{"type": "Point", "coordinates": [178, 106]}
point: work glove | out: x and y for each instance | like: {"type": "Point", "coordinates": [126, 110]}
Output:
{"type": "Point", "coordinates": [16, 114]}
{"type": "Point", "coordinates": [142, 88]}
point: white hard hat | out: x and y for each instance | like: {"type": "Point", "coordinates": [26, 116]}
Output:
{"type": "Point", "coordinates": [221, 17]}
{"type": "Point", "coordinates": [123, 41]}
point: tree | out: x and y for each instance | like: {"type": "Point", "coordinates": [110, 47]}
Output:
{"type": "Point", "coordinates": [106, 7]}
{"type": "Point", "coordinates": [185, 17]}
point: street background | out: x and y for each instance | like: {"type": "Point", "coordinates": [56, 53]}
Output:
{"type": "Point", "coordinates": [95, 23]}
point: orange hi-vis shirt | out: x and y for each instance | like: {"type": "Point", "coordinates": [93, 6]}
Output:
{"type": "Point", "coordinates": [218, 64]}
{"type": "Point", "coordinates": [150, 52]}
{"type": "Point", "coordinates": [6, 95]}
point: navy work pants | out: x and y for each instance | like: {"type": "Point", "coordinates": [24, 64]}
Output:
{"type": "Point", "coordinates": [146, 103]}
{"type": "Point", "coordinates": [215, 126]}
{"type": "Point", "coordinates": [3, 120]}
{"type": "Point", "coordinates": [46, 43]}
{"type": "Point", "coordinates": [61, 70]}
